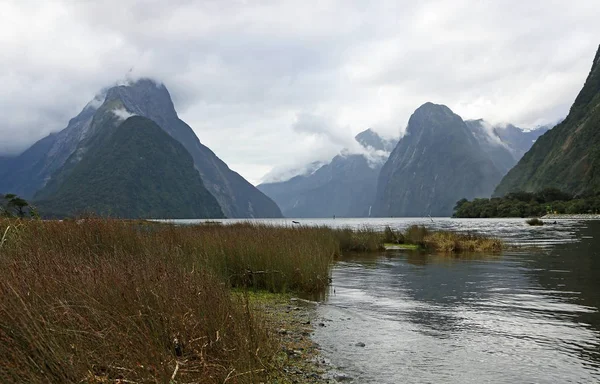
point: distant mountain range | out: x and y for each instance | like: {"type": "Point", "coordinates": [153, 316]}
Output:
{"type": "Point", "coordinates": [345, 187]}
{"type": "Point", "coordinates": [568, 156]}
{"type": "Point", "coordinates": [127, 154]}
{"type": "Point", "coordinates": [47, 170]}
{"type": "Point", "coordinates": [440, 160]}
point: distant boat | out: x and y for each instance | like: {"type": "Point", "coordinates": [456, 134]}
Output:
{"type": "Point", "coordinates": [370, 210]}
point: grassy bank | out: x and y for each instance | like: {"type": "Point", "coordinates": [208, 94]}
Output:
{"type": "Point", "coordinates": [106, 300]}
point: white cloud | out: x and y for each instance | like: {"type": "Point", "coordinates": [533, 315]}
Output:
{"type": "Point", "coordinates": [249, 76]}
{"type": "Point", "coordinates": [122, 113]}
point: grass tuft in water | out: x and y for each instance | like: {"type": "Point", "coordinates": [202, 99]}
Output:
{"type": "Point", "coordinates": [420, 237]}
{"type": "Point", "coordinates": [534, 221]}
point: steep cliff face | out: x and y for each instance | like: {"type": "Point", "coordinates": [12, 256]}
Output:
{"type": "Point", "coordinates": [504, 144]}
{"type": "Point", "coordinates": [436, 163]}
{"type": "Point", "coordinates": [42, 168]}
{"type": "Point", "coordinates": [136, 171]}
{"type": "Point", "coordinates": [568, 156]}
{"type": "Point", "coordinates": [343, 188]}
{"type": "Point", "coordinates": [499, 152]}
{"type": "Point", "coordinates": [27, 173]}
{"type": "Point", "coordinates": [518, 140]}
{"type": "Point", "coordinates": [237, 197]}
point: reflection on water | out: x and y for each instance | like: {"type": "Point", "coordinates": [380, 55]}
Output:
{"type": "Point", "coordinates": [527, 316]}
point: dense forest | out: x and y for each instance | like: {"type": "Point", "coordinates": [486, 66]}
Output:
{"type": "Point", "coordinates": [527, 204]}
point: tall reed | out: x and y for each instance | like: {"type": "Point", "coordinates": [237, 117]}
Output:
{"type": "Point", "coordinates": [94, 300]}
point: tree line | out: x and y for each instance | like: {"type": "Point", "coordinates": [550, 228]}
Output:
{"type": "Point", "coordinates": [529, 204]}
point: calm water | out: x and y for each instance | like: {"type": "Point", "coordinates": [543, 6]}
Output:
{"type": "Point", "coordinates": [521, 317]}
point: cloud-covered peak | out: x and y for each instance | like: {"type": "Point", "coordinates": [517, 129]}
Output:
{"type": "Point", "coordinates": [241, 72]}
{"type": "Point", "coordinates": [370, 138]}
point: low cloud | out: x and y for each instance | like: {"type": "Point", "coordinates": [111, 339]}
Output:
{"type": "Point", "coordinates": [283, 173]}
{"type": "Point", "coordinates": [122, 113]}
{"type": "Point", "coordinates": [279, 83]}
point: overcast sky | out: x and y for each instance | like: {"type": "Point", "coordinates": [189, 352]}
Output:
{"type": "Point", "coordinates": [282, 83]}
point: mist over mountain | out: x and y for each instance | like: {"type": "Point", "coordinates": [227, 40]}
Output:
{"type": "Point", "coordinates": [345, 187]}
{"type": "Point", "coordinates": [370, 138]}
{"type": "Point", "coordinates": [505, 144]}
{"type": "Point", "coordinates": [280, 174]}
{"type": "Point", "coordinates": [566, 157]}
{"type": "Point", "coordinates": [42, 168]}
{"type": "Point", "coordinates": [519, 140]}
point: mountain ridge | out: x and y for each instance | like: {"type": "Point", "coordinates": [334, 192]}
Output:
{"type": "Point", "coordinates": [34, 172]}
{"type": "Point", "coordinates": [437, 162]}
{"type": "Point", "coordinates": [136, 171]}
{"type": "Point", "coordinates": [566, 157]}
{"type": "Point", "coordinates": [344, 187]}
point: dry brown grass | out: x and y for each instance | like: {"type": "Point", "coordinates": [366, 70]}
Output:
{"type": "Point", "coordinates": [107, 300]}
{"type": "Point", "coordinates": [446, 241]}
{"type": "Point", "coordinates": [96, 300]}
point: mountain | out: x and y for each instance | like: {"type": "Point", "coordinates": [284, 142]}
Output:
{"type": "Point", "coordinates": [27, 173]}
{"type": "Point", "coordinates": [40, 169]}
{"type": "Point", "coordinates": [504, 144]}
{"type": "Point", "coordinates": [370, 138]}
{"type": "Point", "coordinates": [499, 152]}
{"type": "Point", "coordinates": [438, 162]}
{"type": "Point", "coordinates": [345, 187]}
{"type": "Point", "coordinates": [566, 157]}
{"type": "Point", "coordinates": [518, 140]}
{"type": "Point", "coordinates": [135, 170]}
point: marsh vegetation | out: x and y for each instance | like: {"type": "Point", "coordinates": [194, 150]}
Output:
{"type": "Point", "coordinates": [98, 300]}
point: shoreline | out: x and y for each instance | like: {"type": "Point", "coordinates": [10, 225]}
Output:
{"type": "Point", "coordinates": [575, 216]}
{"type": "Point", "coordinates": [291, 321]}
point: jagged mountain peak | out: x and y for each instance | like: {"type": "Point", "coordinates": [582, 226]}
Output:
{"type": "Point", "coordinates": [370, 138]}
{"type": "Point", "coordinates": [429, 108]}
{"type": "Point", "coordinates": [436, 163]}
{"type": "Point", "coordinates": [145, 97]}
{"type": "Point", "coordinates": [48, 163]}
{"type": "Point", "coordinates": [431, 117]}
